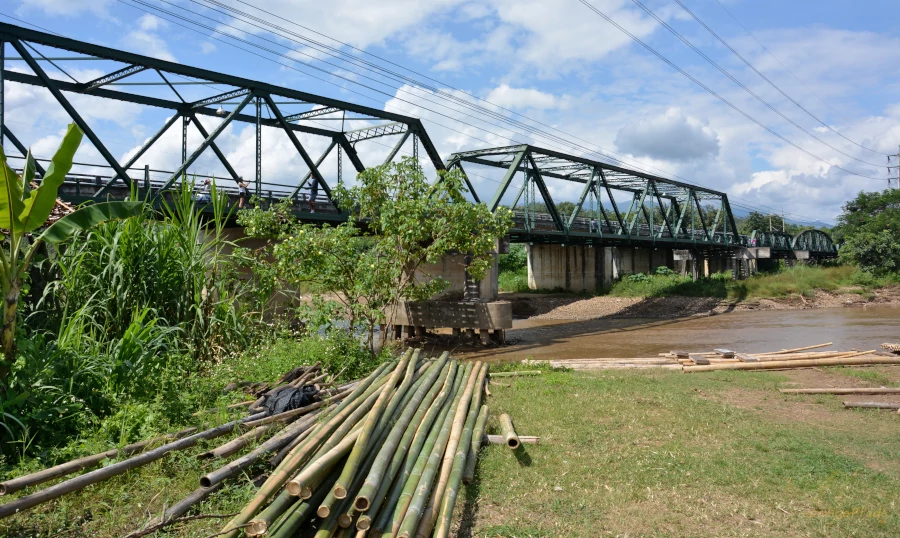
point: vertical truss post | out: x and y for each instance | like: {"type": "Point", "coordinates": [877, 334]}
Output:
{"type": "Point", "coordinates": [507, 178]}
{"type": "Point", "coordinates": [416, 148]}
{"type": "Point", "coordinates": [185, 121]}
{"type": "Point", "coordinates": [258, 146]}
{"type": "Point", "coordinates": [205, 144]}
{"type": "Point", "coordinates": [340, 163]}
{"type": "Point", "coordinates": [50, 84]}
{"type": "Point", "coordinates": [730, 216]}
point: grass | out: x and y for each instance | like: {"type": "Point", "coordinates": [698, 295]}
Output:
{"type": "Point", "coordinates": [621, 453]}
{"type": "Point", "coordinates": [662, 454]}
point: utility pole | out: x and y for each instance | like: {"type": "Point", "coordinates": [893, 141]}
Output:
{"type": "Point", "coordinates": [897, 166]}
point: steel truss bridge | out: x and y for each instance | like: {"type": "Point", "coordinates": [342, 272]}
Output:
{"type": "Point", "coordinates": [656, 211]}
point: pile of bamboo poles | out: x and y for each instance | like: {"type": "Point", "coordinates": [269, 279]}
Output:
{"type": "Point", "coordinates": [893, 348]}
{"type": "Point", "coordinates": [855, 391]}
{"type": "Point", "coordinates": [726, 359]}
{"type": "Point", "coordinates": [388, 459]}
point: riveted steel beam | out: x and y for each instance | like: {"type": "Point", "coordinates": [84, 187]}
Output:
{"type": "Point", "coordinates": [220, 98]}
{"type": "Point", "coordinates": [312, 113]}
{"type": "Point", "coordinates": [112, 77]}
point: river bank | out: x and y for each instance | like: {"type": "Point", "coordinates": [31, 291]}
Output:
{"type": "Point", "coordinates": [571, 307]}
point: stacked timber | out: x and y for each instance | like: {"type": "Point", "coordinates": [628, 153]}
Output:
{"type": "Point", "coordinates": [726, 359]}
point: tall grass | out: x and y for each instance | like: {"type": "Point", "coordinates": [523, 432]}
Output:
{"type": "Point", "coordinates": [133, 309]}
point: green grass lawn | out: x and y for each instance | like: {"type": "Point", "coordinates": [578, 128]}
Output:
{"type": "Point", "coordinates": [622, 453]}
{"type": "Point", "coordinates": [672, 454]}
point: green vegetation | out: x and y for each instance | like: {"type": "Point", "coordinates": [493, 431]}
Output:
{"type": "Point", "coordinates": [869, 227]}
{"type": "Point", "coordinates": [669, 454]}
{"type": "Point", "coordinates": [513, 269]}
{"type": "Point", "coordinates": [357, 271]}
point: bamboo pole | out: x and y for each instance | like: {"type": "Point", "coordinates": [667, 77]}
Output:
{"type": "Point", "coordinates": [508, 432]}
{"type": "Point", "coordinates": [236, 444]}
{"type": "Point", "coordinates": [457, 427]}
{"type": "Point", "coordinates": [392, 445]}
{"type": "Point", "coordinates": [80, 482]}
{"type": "Point", "coordinates": [863, 390]}
{"type": "Point", "coordinates": [287, 467]}
{"type": "Point", "coordinates": [873, 405]}
{"type": "Point", "coordinates": [362, 443]}
{"type": "Point", "coordinates": [86, 462]}
{"type": "Point", "coordinates": [322, 465]}
{"type": "Point", "coordinates": [405, 455]}
{"type": "Point", "coordinates": [406, 512]}
{"type": "Point", "coordinates": [517, 374]}
{"type": "Point", "coordinates": [794, 350]}
{"type": "Point", "coordinates": [853, 361]}
{"type": "Point", "coordinates": [501, 440]}
{"type": "Point", "coordinates": [445, 514]}
{"type": "Point", "coordinates": [475, 447]}
{"type": "Point", "coordinates": [298, 514]}
{"type": "Point", "coordinates": [819, 355]}
{"type": "Point", "coordinates": [274, 443]}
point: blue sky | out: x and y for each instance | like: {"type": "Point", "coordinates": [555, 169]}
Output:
{"type": "Point", "coordinates": [554, 62]}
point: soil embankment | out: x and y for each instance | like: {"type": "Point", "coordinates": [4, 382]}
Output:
{"type": "Point", "coordinates": [567, 307]}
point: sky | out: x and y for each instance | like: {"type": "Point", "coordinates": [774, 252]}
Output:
{"type": "Point", "coordinates": [571, 80]}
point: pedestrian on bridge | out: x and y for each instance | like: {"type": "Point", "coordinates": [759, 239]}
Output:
{"type": "Point", "coordinates": [203, 196]}
{"type": "Point", "coordinates": [243, 192]}
{"type": "Point", "coordinates": [313, 192]}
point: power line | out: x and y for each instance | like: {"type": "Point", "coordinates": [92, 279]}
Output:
{"type": "Point", "coordinates": [752, 207]}
{"type": "Point", "coordinates": [716, 95]}
{"type": "Point", "coordinates": [743, 86]}
{"type": "Point", "coordinates": [764, 77]}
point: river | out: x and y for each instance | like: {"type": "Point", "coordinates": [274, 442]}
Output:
{"type": "Point", "coordinates": [753, 332]}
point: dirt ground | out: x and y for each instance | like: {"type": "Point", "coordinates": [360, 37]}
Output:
{"type": "Point", "coordinates": [549, 306]}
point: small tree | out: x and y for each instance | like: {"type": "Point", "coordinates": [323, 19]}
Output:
{"type": "Point", "coordinates": [360, 269]}
{"type": "Point", "coordinates": [868, 227]}
{"type": "Point", "coordinates": [23, 210]}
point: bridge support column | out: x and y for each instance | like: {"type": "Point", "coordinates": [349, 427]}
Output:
{"type": "Point", "coordinates": [570, 268]}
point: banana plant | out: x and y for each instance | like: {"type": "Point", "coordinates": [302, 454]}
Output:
{"type": "Point", "coordinates": [24, 210]}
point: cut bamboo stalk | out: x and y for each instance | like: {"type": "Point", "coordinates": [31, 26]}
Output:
{"type": "Point", "coordinates": [800, 356]}
{"type": "Point", "coordinates": [362, 444]}
{"type": "Point", "coordinates": [794, 350]}
{"type": "Point", "coordinates": [501, 440]}
{"type": "Point", "coordinates": [86, 462]}
{"type": "Point", "coordinates": [853, 361]}
{"type": "Point", "coordinates": [274, 443]}
{"type": "Point", "coordinates": [457, 427]}
{"type": "Point", "coordinates": [287, 467]}
{"type": "Point", "coordinates": [445, 514]}
{"type": "Point", "coordinates": [98, 475]}
{"type": "Point", "coordinates": [863, 390]}
{"type": "Point", "coordinates": [508, 432]}
{"type": "Point", "coordinates": [418, 489]}
{"type": "Point", "coordinates": [475, 446]}
{"type": "Point", "coordinates": [393, 445]}
{"type": "Point", "coordinates": [322, 465]}
{"type": "Point", "coordinates": [517, 374]}
{"type": "Point", "coordinates": [236, 444]}
{"type": "Point", "coordinates": [298, 514]}
{"type": "Point", "coordinates": [260, 524]}
{"type": "Point", "coordinates": [383, 504]}
{"type": "Point", "coordinates": [873, 405]}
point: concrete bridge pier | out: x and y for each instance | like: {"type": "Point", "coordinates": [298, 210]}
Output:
{"type": "Point", "coordinates": [580, 268]}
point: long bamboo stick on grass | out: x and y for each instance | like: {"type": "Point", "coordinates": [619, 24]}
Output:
{"type": "Point", "coordinates": [98, 475]}
{"type": "Point", "coordinates": [803, 363]}
{"type": "Point", "coordinates": [860, 390]}
{"type": "Point", "coordinates": [475, 446]}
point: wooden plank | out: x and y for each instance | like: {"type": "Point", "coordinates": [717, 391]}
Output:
{"type": "Point", "coordinates": [727, 353]}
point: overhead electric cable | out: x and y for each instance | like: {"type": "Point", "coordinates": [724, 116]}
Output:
{"type": "Point", "coordinates": [743, 86]}
{"type": "Point", "coordinates": [764, 77]}
{"type": "Point", "coordinates": [716, 95]}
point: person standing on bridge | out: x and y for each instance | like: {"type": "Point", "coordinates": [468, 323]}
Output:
{"type": "Point", "coordinates": [593, 225]}
{"type": "Point", "coordinates": [313, 192]}
{"type": "Point", "coordinates": [243, 192]}
{"type": "Point", "coordinates": [203, 193]}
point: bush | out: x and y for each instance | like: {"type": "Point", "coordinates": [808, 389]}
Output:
{"type": "Point", "coordinates": [514, 281]}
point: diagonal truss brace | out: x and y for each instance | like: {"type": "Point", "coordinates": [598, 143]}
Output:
{"type": "Point", "coordinates": [312, 113]}
{"type": "Point", "coordinates": [313, 167]}
{"type": "Point", "coordinates": [112, 77]}
{"type": "Point", "coordinates": [50, 84]}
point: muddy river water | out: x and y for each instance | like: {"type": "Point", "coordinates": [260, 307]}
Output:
{"type": "Point", "coordinates": [852, 327]}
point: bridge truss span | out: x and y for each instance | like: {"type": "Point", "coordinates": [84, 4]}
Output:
{"type": "Point", "coordinates": [616, 206]}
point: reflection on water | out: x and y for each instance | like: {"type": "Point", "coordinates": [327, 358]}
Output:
{"type": "Point", "coordinates": [856, 327]}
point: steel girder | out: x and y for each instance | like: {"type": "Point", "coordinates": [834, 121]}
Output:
{"type": "Point", "coordinates": [226, 87]}
{"type": "Point", "coordinates": [661, 210]}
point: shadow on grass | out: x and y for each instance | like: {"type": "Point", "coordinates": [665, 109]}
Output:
{"type": "Point", "coordinates": [522, 456]}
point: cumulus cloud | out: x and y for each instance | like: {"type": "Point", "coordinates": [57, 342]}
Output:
{"type": "Point", "coordinates": [508, 97]}
{"type": "Point", "coordinates": [673, 136]}
{"type": "Point", "coordinates": [145, 39]}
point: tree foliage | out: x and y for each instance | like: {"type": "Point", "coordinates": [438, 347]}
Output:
{"type": "Point", "coordinates": [868, 228]}
{"type": "Point", "coordinates": [356, 271]}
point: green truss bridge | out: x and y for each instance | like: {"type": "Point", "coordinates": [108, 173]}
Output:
{"type": "Point", "coordinates": [616, 207]}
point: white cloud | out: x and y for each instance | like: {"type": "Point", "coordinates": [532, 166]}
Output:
{"type": "Point", "coordinates": [146, 40]}
{"type": "Point", "coordinates": [207, 48]}
{"type": "Point", "coordinates": [507, 97]}
{"type": "Point", "coordinates": [67, 8]}
{"type": "Point", "coordinates": [673, 136]}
